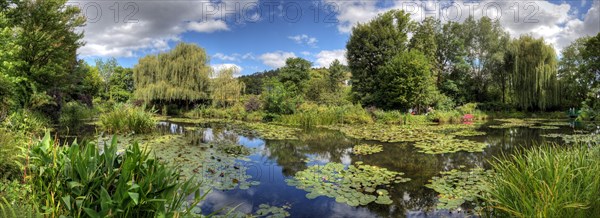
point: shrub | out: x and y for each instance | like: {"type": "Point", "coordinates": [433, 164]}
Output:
{"type": "Point", "coordinates": [11, 145]}
{"type": "Point", "coordinates": [16, 200]}
{"type": "Point", "coordinates": [549, 181]}
{"type": "Point", "coordinates": [127, 119]}
{"type": "Point", "coordinates": [79, 180]}
{"type": "Point", "coordinates": [27, 121]}
{"type": "Point", "coordinates": [388, 117]}
{"type": "Point", "coordinates": [73, 114]}
{"type": "Point", "coordinates": [252, 104]}
{"type": "Point", "coordinates": [468, 108]}
{"type": "Point", "coordinates": [310, 115]}
{"type": "Point", "coordinates": [451, 116]}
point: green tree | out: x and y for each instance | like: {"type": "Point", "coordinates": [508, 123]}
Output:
{"type": "Point", "coordinates": [370, 46]}
{"type": "Point", "coordinates": [533, 73]}
{"type": "Point", "coordinates": [591, 71]}
{"type": "Point", "coordinates": [318, 86]}
{"type": "Point", "coordinates": [49, 42]}
{"type": "Point", "coordinates": [278, 99]}
{"type": "Point", "coordinates": [8, 63]}
{"type": "Point", "coordinates": [337, 75]}
{"type": "Point", "coordinates": [484, 40]}
{"type": "Point", "coordinates": [295, 73]}
{"type": "Point", "coordinates": [180, 75]}
{"type": "Point", "coordinates": [424, 40]}
{"type": "Point", "coordinates": [121, 84]}
{"type": "Point", "coordinates": [409, 82]}
{"type": "Point", "coordinates": [227, 90]}
{"type": "Point", "coordinates": [573, 74]}
{"type": "Point", "coordinates": [106, 70]}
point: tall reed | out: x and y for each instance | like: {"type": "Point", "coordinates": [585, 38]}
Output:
{"type": "Point", "coordinates": [127, 119]}
{"type": "Point", "coordinates": [549, 181]}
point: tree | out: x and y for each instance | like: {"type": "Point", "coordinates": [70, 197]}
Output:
{"type": "Point", "coordinates": [295, 73]}
{"type": "Point", "coordinates": [533, 73]}
{"type": "Point", "coordinates": [337, 75]}
{"type": "Point", "coordinates": [180, 75]}
{"type": "Point", "coordinates": [49, 42]}
{"type": "Point", "coordinates": [278, 99]}
{"type": "Point", "coordinates": [591, 55]}
{"type": "Point", "coordinates": [573, 74]}
{"type": "Point", "coordinates": [409, 82]}
{"type": "Point", "coordinates": [106, 70]}
{"type": "Point", "coordinates": [227, 89]}
{"type": "Point", "coordinates": [254, 82]}
{"type": "Point", "coordinates": [484, 41]}
{"type": "Point", "coordinates": [121, 84]}
{"type": "Point", "coordinates": [424, 40]}
{"type": "Point", "coordinates": [370, 46]}
{"type": "Point", "coordinates": [8, 62]}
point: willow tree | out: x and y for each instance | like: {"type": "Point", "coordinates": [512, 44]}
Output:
{"type": "Point", "coordinates": [227, 89]}
{"type": "Point", "coordinates": [533, 72]}
{"type": "Point", "coordinates": [180, 75]}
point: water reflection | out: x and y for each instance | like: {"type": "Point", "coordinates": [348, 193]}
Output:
{"type": "Point", "coordinates": [272, 161]}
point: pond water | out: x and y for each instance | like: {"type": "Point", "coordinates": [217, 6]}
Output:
{"type": "Point", "coordinates": [271, 162]}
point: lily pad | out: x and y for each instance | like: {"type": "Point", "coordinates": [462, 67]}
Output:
{"type": "Point", "coordinates": [365, 149]}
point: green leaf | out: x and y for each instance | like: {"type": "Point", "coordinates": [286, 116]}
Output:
{"type": "Point", "coordinates": [135, 197]}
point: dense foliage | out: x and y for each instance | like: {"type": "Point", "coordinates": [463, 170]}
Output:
{"type": "Point", "coordinates": [80, 181]}
{"type": "Point", "coordinates": [179, 75]}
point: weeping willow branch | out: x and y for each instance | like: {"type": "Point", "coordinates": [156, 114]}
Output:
{"type": "Point", "coordinates": [181, 74]}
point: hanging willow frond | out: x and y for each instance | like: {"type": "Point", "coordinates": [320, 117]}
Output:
{"type": "Point", "coordinates": [180, 74]}
{"type": "Point", "coordinates": [227, 89]}
{"type": "Point", "coordinates": [534, 70]}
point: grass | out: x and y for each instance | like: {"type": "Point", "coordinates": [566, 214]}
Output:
{"type": "Point", "coordinates": [548, 181]}
{"type": "Point", "coordinates": [310, 115]}
{"type": "Point", "coordinates": [124, 119]}
{"type": "Point", "coordinates": [11, 144]}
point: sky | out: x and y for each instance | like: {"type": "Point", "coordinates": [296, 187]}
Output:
{"type": "Point", "coordinates": [258, 35]}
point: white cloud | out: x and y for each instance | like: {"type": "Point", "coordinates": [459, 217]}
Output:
{"type": "Point", "coordinates": [326, 57]}
{"type": "Point", "coordinates": [148, 26]}
{"type": "Point", "coordinates": [218, 67]}
{"type": "Point", "coordinates": [552, 21]}
{"type": "Point", "coordinates": [248, 55]}
{"type": "Point", "coordinates": [225, 57]}
{"type": "Point", "coordinates": [276, 59]}
{"type": "Point", "coordinates": [207, 26]}
{"type": "Point", "coordinates": [304, 39]}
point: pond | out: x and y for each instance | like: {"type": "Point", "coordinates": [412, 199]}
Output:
{"type": "Point", "coordinates": [261, 174]}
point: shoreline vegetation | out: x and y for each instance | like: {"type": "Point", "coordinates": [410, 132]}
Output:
{"type": "Point", "coordinates": [427, 84]}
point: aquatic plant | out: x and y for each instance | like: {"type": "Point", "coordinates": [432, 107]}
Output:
{"type": "Point", "coordinates": [456, 187]}
{"type": "Point", "coordinates": [544, 127]}
{"type": "Point", "coordinates": [575, 138]}
{"type": "Point", "coordinates": [547, 181]}
{"type": "Point", "coordinates": [365, 149]}
{"type": "Point", "coordinates": [79, 180]}
{"type": "Point", "coordinates": [514, 122]}
{"type": "Point", "coordinates": [272, 131]}
{"type": "Point", "coordinates": [448, 144]}
{"type": "Point", "coordinates": [469, 132]}
{"type": "Point", "coordinates": [355, 185]}
{"type": "Point", "coordinates": [264, 210]}
{"type": "Point", "coordinates": [127, 119]}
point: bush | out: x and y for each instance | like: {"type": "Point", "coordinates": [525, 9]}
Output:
{"type": "Point", "coordinates": [310, 115]}
{"type": "Point", "coordinates": [79, 180]}
{"type": "Point", "coordinates": [451, 116]}
{"type": "Point", "coordinates": [549, 181]}
{"type": "Point", "coordinates": [73, 114]}
{"type": "Point", "coordinates": [468, 108]}
{"type": "Point", "coordinates": [389, 117]}
{"type": "Point", "coordinates": [27, 121]}
{"type": "Point", "coordinates": [16, 200]}
{"type": "Point", "coordinates": [278, 100]}
{"type": "Point", "coordinates": [127, 119]}
{"type": "Point", "coordinates": [11, 145]}
{"type": "Point", "coordinates": [252, 104]}
{"type": "Point", "coordinates": [237, 112]}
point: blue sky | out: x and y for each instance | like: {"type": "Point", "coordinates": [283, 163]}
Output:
{"type": "Point", "coordinates": [257, 35]}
